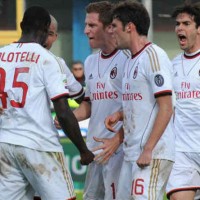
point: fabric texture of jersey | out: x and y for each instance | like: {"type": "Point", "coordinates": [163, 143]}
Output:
{"type": "Point", "coordinates": [185, 174]}
{"type": "Point", "coordinates": [75, 88]}
{"type": "Point", "coordinates": [30, 77]}
{"type": "Point", "coordinates": [186, 83]}
{"type": "Point", "coordinates": [147, 75]}
{"type": "Point", "coordinates": [104, 89]}
{"type": "Point", "coordinates": [147, 183]}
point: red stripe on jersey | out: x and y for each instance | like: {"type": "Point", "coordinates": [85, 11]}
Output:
{"type": "Point", "coordinates": [86, 98]}
{"type": "Point", "coordinates": [77, 94]}
{"type": "Point", "coordinates": [61, 95]}
{"type": "Point", "coordinates": [73, 198]}
{"type": "Point", "coordinates": [193, 56]}
{"type": "Point", "coordinates": [182, 189]}
{"type": "Point", "coordinates": [163, 93]}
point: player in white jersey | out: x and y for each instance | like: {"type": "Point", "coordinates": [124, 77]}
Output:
{"type": "Point", "coordinates": [147, 108]}
{"type": "Point", "coordinates": [103, 76]}
{"type": "Point", "coordinates": [184, 180]}
{"type": "Point", "coordinates": [76, 91]}
{"type": "Point", "coordinates": [32, 158]}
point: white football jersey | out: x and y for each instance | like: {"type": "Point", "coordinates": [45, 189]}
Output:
{"type": "Point", "coordinates": [186, 83]}
{"type": "Point", "coordinates": [147, 75]}
{"type": "Point", "coordinates": [75, 88]}
{"type": "Point", "coordinates": [30, 77]}
{"type": "Point", "coordinates": [104, 89]}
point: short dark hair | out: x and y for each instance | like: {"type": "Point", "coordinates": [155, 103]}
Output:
{"type": "Point", "coordinates": [35, 18]}
{"type": "Point", "coordinates": [104, 9]}
{"type": "Point", "coordinates": [135, 12]}
{"type": "Point", "coordinates": [193, 9]}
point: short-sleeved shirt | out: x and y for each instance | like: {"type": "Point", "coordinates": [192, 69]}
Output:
{"type": "Point", "coordinates": [186, 83]}
{"type": "Point", "coordinates": [104, 89]}
{"type": "Point", "coordinates": [147, 76]}
{"type": "Point", "coordinates": [30, 76]}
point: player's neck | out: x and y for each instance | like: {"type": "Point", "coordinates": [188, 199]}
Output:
{"type": "Point", "coordinates": [26, 38]}
{"type": "Point", "coordinates": [138, 44]}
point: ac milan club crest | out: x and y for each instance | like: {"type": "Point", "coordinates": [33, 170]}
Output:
{"type": "Point", "coordinates": [113, 73]}
{"type": "Point", "coordinates": [135, 72]}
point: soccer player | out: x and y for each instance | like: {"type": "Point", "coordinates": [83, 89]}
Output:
{"type": "Point", "coordinates": [103, 76]}
{"type": "Point", "coordinates": [147, 107]}
{"type": "Point", "coordinates": [76, 91]}
{"type": "Point", "coordinates": [184, 180]}
{"type": "Point", "coordinates": [32, 158]}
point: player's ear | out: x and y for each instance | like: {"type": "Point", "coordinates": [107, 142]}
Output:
{"type": "Point", "coordinates": [198, 29]}
{"type": "Point", "coordinates": [129, 27]}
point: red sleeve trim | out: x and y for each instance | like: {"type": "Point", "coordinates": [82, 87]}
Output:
{"type": "Point", "coordinates": [182, 189]}
{"type": "Point", "coordinates": [86, 99]}
{"type": "Point", "coordinates": [61, 95]}
{"type": "Point", "coordinates": [73, 198]}
{"type": "Point", "coordinates": [163, 93]}
{"type": "Point", "coordinates": [77, 94]}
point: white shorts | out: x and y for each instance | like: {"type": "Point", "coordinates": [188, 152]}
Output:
{"type": "Point", "coordinates": [143, 184]}
{"type": "Point", "coordinates": [24, 171]}
{"type": "Point", "coordinates": [101, 180]}
{"type": "Point", "coordinates": [185, 173]}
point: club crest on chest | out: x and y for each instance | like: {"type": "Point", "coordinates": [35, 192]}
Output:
{"type": "Point", "coordinates": [113, 73]}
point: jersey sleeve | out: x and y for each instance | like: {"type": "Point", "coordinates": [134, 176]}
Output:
{"type": "Point", "coordinates": [54, 79]}
{"type": "Point", "coordinates": [159, 72]}
{"type": "Point", "coordinates": [75, 88]}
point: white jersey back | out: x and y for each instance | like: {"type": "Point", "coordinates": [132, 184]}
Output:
{"type": "Point", "coordinates": [186, 82]}
{"type": "Point", "coordinates": [147, 76]}
{"type": "Point", "coordinates": [30, 77]}
{"type": "Point", "coordinates": [104, 90]}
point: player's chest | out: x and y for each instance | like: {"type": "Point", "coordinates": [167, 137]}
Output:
{"type": "Point", "coordinates": [186, 75]}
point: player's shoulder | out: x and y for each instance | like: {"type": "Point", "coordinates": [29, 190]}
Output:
{"type": "Point", "coordinates": [177, 58]}
{"type": "Point", "coordinates": [125, 53]}
{"type": "Point", "coordinates": [153, 51]}
{"type": "Point", "coordinates": [93, 55]}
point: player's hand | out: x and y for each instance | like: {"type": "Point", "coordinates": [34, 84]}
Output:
{"type": "Point", "coordinates": [111, 120]}
{"type": "Point", "coordinates": [145, 158]}
{"type": "Point", "coordinates": [1, 110]}
{"type": "Point", "coordinates": [86, 157]}
{"type": "Point", "coordinates": [56, 123]}
{"type": "Point", "coordinates": [106, 149]}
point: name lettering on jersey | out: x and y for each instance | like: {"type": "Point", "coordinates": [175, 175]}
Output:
{"type": "Point", "coordinates": [102, 94]}
{"type": "Point", "coordinates": [19, 57]}
{"type": "Point", "coordinates": [129, 96]}
{"type": "Point", "coordinates": [132, 96]}
{"type": "Point", "coordinates": [185, 85]}
{"type": "Point", "coordinates": [186, 93]}
{"type": "Point", "coordinates": [127, 86]}
{"type": "Point", "coordinates": [100, 85]}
